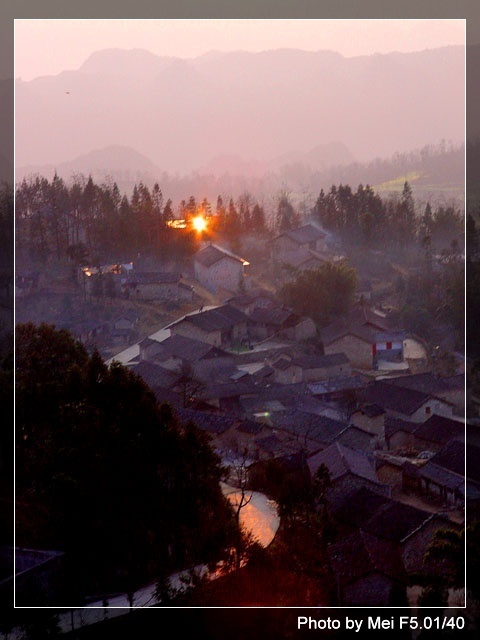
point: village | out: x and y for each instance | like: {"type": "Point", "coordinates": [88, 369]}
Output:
{"type": "Point", "coordinates": [361, 396]}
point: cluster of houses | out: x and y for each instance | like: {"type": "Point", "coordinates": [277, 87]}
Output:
{"type": "Point", "coordinates": [260, 379]}
{"type": "Point", "coordinates": [254, 376]}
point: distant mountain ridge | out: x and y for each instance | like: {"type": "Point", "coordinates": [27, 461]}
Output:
{"type": "Point", "coordinates": [184, 113]}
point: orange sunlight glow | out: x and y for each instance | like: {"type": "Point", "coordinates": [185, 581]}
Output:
{"type": "Point", "coordinates": [199, 223]}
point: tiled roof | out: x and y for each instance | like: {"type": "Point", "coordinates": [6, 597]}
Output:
{"type": "Point", "coordinates": [227, 390]}
{"type": "Point", "coordinates": [320, 361]}
{"type": "Point", "coordinates": [439, 429]}
{"type": "Point", "coordinates": [366, 502]}
{"type": "Point", "coordinates": [250, 426]}
{"type": "Point", "coordinates": [304, 235]}
{"type": "Point", "coordinates": [441, 476]}
{"type": "Point", "coordinates": [393, 425]}
{"type": "Point", "coordinates": [155, 375]}
{"type": "Point", "coordinates": [341, 460]}
{"type": "Point", "coordinates": [216, 319]}
{"type": "Point", "coordinates": [356, 438]}
{"type": "Point", "coordinates": [319, 428]}
{"type": "Point", "coordinates": [282, 364]}
{"type": "Point", "coordinates": [153, 277]}
{"type": "Point", "coordinates": [452, 456]}
{"type": "Point", "coordinates": [372, 410]}
{"type": "Point", "coordinates": [337, 383]}
{"type": "Point", "coordinates": [396, 521]}
{"type": "Point", "coordinates": [340, 329]}
{"type": "Point", "coordinates": [394, 398]}
{"type": "Point", "coordinates": [212, 254]}
{"type": "Point", "coordinates": [188, 349]}
{"type": "Point", "coordinates": [212, 423]}
{"type": "Point", "coordinates": [428, 383]}
{"type": "Point", "coordinates": [273, 315]}
{"type": "Point", "coordinates": [362, 554]}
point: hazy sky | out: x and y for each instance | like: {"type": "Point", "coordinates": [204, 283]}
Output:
{"type": "Point", "coordinates": [47, 47]}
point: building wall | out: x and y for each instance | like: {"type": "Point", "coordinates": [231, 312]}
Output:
{"type": "Point", "coordinates": [323, 373]}
{"type": "Point", "coordinates": [304, 330]}
{"type": "Point", "coordinates": [188, 330]}
{"type": "Point", "coordinates": [372, 424]}
{"type": "Point", "coordinates": [390, 474]}
{"type": "Point", "coordinates": [289, 376]}
{"type": "Point", "coordinates": [349, 482]}
{"type": "Point", "coordinates": [357, 351]}
{"type": "Point", "coordinates": [149, 351]}
{"type": "Point", "coordinates": [227, 273]}
{"type": "Point", "coordinates": [156, 291]}
{"type": "Point", "coordinates": [429, 408]}
{"type": "Point", "coordinates": [401, 440]}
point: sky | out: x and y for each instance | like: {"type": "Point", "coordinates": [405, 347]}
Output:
{"type": "Point", "coordinates": [47, 47]}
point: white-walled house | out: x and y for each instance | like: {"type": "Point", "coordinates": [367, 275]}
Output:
{"type": "Point", "coordinates": [216, 268]}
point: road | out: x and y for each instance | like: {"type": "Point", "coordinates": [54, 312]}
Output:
{"type": "Point", "coordinates": [259, 517]}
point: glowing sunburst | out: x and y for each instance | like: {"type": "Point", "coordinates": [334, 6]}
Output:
{"type": "Point", "coordinates": [199, 223]}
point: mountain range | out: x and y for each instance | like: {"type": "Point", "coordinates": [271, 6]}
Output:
{"type": "Point", "coordinates": [239, 111]}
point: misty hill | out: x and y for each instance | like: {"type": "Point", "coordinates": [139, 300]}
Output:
{"type": "Point", "coordinates": [122, 164]}
{"type": "Point", "coordinates": [258, 106]}
{"type": "Point", "coordinates": [435, 173]}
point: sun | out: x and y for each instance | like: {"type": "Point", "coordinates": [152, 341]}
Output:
{"type": "Point", "coordinates": [199, 223]}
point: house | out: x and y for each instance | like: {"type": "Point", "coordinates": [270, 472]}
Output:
{"type": "Point", "coordinates": [226, 396]}
{"type": "Point", "coordinates": [310, 368]}
{"type": "Point", "coordinates": [217, 269]}
{"type": "Point", "coordinates": [450, 389]}
{"type": "Point", "coordinates": [363, 291]}
{"type": "Point", "coordinates": [218, 326]}
{"type": "Point", "coordinates": [349, 469]}
{"type": "Point", "coordinates": [156, 285]}
{"type": "Point", "coordinates": [301, 260]}
{"type": "Point", "coordinates": [344, 389]}
{"type": "Point", "coordinates": [387, 350]}
{"type": "Point", "coordinates": [356, 438]}
{"type": "Point", "coordinates": [399, 433]}
{"type": "Point", "coordinates": [148, 348]}
{"type": "Point", "coordinates": [312, 431]}
{"type": "Point", "coordinates": [256, 298]}
{"type": "Point", "coordinates": [368, 571]}
{"type": "Point", "coordinates": [407, 404]}
{"type": "Point", "coordinates": [411, 529]}
{"type": "Point", "coordinates": [435, 432]}
{"type": "Point", "coordinates": [123, 328]}
{"type": "Point", "coordinates": [371, 417]}
{"type": "Point", "coordinates": [34, 575]}
{"type": "Point", "coordinates": [289, 243]}
{"type": "Point", "coordinates": [274, 320]}
{"type": "Point", "coordinates": [155, 376]}
{"type": "Point", "coordinates": [442, 477]}
{"type": "Point", "coordinates": [179, 353]}
{"type": "Point", "coordinates": [365, 335]}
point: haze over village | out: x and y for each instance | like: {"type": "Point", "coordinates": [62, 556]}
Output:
{"type": "Point", "coordinates": [240, 320]}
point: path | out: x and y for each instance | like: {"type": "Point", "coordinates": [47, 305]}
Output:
{"type": "Point", "coordinates": [260, 517]}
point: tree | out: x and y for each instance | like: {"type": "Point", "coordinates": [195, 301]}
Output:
{"type": "Point", "coordinates": [107, 474]}
{"type": "Point", "coordinates": [286, 216]}
{"type": "Point", "coordinates": [322, 293]}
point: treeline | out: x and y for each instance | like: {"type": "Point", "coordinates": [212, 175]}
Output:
{"type": "Point", "coordinates": [362, 217]}
{"type": "Point", "coordinates": [107, 474]}
{"type": "Point", "coordinates": [54, 220]}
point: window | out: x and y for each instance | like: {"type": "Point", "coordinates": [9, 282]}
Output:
{"type": "Point", "coordinates": [427, 410]}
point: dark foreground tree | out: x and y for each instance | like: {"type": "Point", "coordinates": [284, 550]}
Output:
{"type": "Point", "coordinates": [106, 474]}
